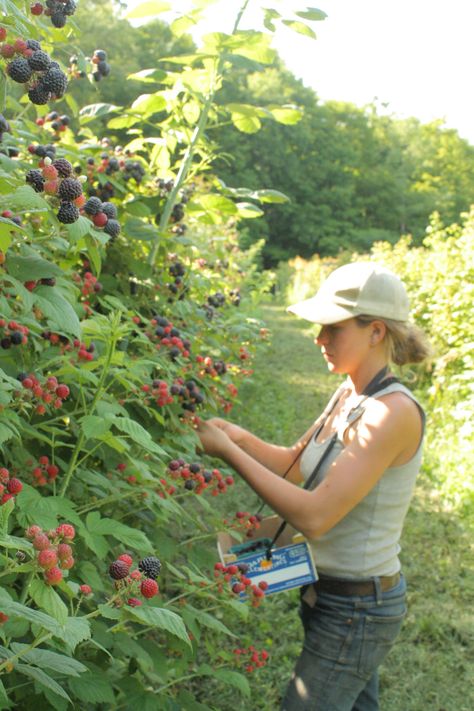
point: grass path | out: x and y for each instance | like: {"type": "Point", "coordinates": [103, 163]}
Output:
{"type": "Point", "coordinates": [432, 665]}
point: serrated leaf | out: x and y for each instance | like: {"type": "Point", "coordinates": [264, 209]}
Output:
{"type": "Point", "coordinates": [15, 609]}
{"type": "Point", "coordinates": [92, 688]}
{"type": "Point", "coordinates": [93, 111]}
{"type": "Point", "coordinates": [94, 427]}
{"type": "Point", "coordinates": [248, 210]}
{"type": "Point", "coordinates": [149, 103]}
{"type": "Point", "coordinates": [235, 679]}
{"type": "Point", "coordinates": [312, 14]}
{"type": "Point", "coordinates": [43, 679]}
{"type": "Point", "coordinates": [57, 310]}
{"type": "Point", "coordinates": [48, 599]}
{"type": "Point", "coordinates": [161, 618]}
{"type": "Point", "coordinates": [148, 9]}
{"type": "Point", "coordinates": [79, 228]}
{"type": "Point", "coordinates": [5, 512]}
{"type": "Point", "coordinates": [50, 660]}
{"type": "Point", "coordinates": [125, 534]}
{"type": "Point", "coordinates": [148, 75]}
{"type": "Point", "coordinates": [26, 198]}
{"type": "Point", "coordinates": [31, 268]}
{"type": "Point", "coordinates": [77, 630]}
{"type": "Point", "coordinates": [138, 433]}
{"type": "Point", "coordinates": [6, 433]}
{"type": "Point", "coordinates": [204, 619]}
{"type": "Point", "coordinates": [300, 27]}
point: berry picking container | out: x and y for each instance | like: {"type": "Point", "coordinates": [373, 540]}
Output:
{"type": "Point", "coordinates": [291, 565]}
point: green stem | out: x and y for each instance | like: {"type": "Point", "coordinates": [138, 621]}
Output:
{"type": "Point", "coordinates": [191, 149]}
{"type": "Point", "coordinates": [111, 344]}
{"type": "Point", "coordinates": [26, 585]}
{"type": "Point", "coordinates": [15, 657]}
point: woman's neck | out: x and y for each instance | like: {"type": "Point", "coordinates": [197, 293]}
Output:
{"type": "Point", "coordinates": [363, 376]}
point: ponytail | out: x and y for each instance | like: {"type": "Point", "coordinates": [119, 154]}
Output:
{"type": "Point", "coordinates": [405, 342]}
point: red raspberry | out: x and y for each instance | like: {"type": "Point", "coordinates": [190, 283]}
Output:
{"type": "Point", "coordinates": [100, 220]}
{"type": "Point", "coordinates": [149, 588]}
{"type": "Point", "coordinates": [258, 592]}
{"type": "Point", "coordinates": [85, 589]}
{"type": "Point", "coordinates": [67, 563]}
{"type": "Point", "coordinates": [53, 576]}
{"type": "Point", "coordinates": [4, 475]}
{"type": "Point", "coordinates": [52, 471]}
{"type": "Point", "coordinates": [126, 559]}
{"type": "Point", "coordinates": [238, 588]}
{"type": "Point", "coordinates": [121, 467]}
{"type": "Point", "coordinates": [133, 602]}
{"type": "Point", "coordinates": [41, 542]}
{"type": "Point", "coordinates": [66, 530]}
{"type": "Point", "coordinates": [136, 575]}
{"type": "Point", "coordinates": [263, 585]}
{"type": "Point", "coordinates": [14, 486]}
{"type": "Point", "coordinates": [47, 558]}
{"type": "Point", "coordinates": [64, 551]}
{"type": "Point", "coordinates": [62, 391]}
{"type": "Point", "coordinates": [6, 497]}
{"type": "Point", "coordinates": [36, 8]}
{"type": "Point", "coordinates": [33, 531]}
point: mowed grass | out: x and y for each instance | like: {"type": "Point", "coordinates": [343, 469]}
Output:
{"type": "Point", "coordinates": [431, 667]}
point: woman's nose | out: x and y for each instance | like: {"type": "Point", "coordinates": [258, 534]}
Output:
{"type": "Point", "coordinates": [321, 337]}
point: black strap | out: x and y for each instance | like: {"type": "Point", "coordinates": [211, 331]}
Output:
{"type": "Point", "coordinates": [376, 384]}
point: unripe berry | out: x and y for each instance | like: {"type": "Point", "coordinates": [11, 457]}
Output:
{"type": "Point", "coordinates": [67, 563]}
{"type": "Point", "coordinates": [66, 530]}
{"type": "Point", "coordinates": [47, 558]}
{"type": "Point", "coordinates": [62, 391]}
{"type": "Point", "coordinates": [14, 486]}
{"type": "Point", "coordinates": [53, 576]}
{"type": "Point", "coordinates": [64, 551]}
{"type": "Point", "coordinates": [149, 588]}
{"type": "Point", "coordinates": [41, 542]}
{"type": "Point", "coordinates": [85, 589]}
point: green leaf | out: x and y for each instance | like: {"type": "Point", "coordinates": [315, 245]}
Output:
{"type": "Point", "coordinates": [93, 111]}
{"type": "Point", "coordinates": [15, 609]}
{"type": "Point", "coordinates": [43, 679]}
{"type": "Point", "coordinates": [204, 619]}
{"type": "Point", "coordinates": [312, 14]}
{"type": "Point", "coordinates": [249, 210]}
{"type": "Point", "coordinates": [253, 45]}
{"type": "Point", "coordinates": [4, 702]}
{"type": "Point", "coordinates": [149, 103]}
{"type": "Point", "coordinates": [31, 268]}
{"type": "Point", "coordinates": [77, 630]}
{"type": "Point", "coordinates": [5, 511]}
{"type": "Point", "coordinates": [57, 310]}
{"type": "Point", "coordinates": [270, 196]}
{"type": "Point", "coordinates": [5, 235]}
{"type": "Point", "coordinates": [163, 619]}
{"type": "Point", "coordinates": [79, 228]}
{"type": "Point", "coordinates": [48, 599]}
{"type": "Point", "coordinates": [300, 27]}
{"type": "Point", "coordinates": [125, 534]}
{"type": "Point", "coordinates": [94, 427]}
{"type": "Point", "coordinates": [93, 253]}
{"type": "Point", "coordinates": [44, 658]}
{"type": "Point", "coordinates": [287, 115]}
{"type": "Point", "coordinates": [235, 679]}
{"type": "Point", "coordinates": [148, 75]}
{"type": "Point", "coordinates": [15, 541]}
{"type": "Point", "coordinates": [6, 433]}
{"type": "Point", "coordinates": [92, 688]}
{"type": "Point", "coordinates": [138, 433]}
{"type": "Point", "coordinates": [26, 198]}
{"type": "Point", "coordinates": [148, 9]}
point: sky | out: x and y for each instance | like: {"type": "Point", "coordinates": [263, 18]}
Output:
{"type": "Point", "coordinates": [414, 57]}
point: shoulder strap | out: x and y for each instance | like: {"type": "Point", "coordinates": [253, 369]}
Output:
{"type": "Point", "coordinates": [378, 383]}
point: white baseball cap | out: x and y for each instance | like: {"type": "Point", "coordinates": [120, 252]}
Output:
{"type": "Point", "coordinates": [358, 289]}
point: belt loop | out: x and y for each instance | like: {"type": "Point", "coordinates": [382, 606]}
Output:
{"type": "Point", "coordinates": [377, 590]}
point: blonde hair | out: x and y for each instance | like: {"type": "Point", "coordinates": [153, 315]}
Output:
{"type": "Point", "coordinates": [405, 342]}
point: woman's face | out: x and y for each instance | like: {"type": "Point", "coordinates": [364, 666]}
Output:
{"type": "Point", "coordinates": [345, 346]}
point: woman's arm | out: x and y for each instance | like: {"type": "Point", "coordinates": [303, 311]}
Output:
{"type": "Point", "coordinates": [388, 428]}
{"type": "Point", "coordinates": [278, 459]}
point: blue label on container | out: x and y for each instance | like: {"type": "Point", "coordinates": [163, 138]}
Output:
{"type": "Point", "coordinates": [290, 567]}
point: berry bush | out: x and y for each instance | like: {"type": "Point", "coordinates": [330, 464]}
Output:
{"type": "Point", "coordinates": [126, 312]}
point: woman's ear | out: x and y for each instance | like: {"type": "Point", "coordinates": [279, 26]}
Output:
{"type": "Point", "coordinates": [378, 332]}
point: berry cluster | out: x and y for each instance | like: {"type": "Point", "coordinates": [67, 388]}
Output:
{"type": "Point", "coordinates": [196, 478]}
{"type": "Point", "coordinates": [158, 390]}
{"type": "Point", "coordinates": [212, 367]}
{"type": "Point", "coordinates": [57, 10]}
{"type": "Point", "coordinates": [249, 658]}
{"type": "Point", "coordinates": [49, 393]}
{"type": "Point", "coordinates": [99, 59]}
{"type": "Point", "coordinates": [9, 486]}
{"type": "Point", "coordinates": [103, 215]}
{"type": "Point", "coordinates": [176, 270]}
{"type": "Point", "coordinates": [245, 522]}
{"type": "Point", "coordinates": [56, 178]}
{"type": "Point", "coordinates": [235, 575]}
{"type": "Point", "coordinates": [58, 123]}
{"type": "Point", "coordinates": [84, 352]}
{"type": "Point", "coordinates": [34, 68]}
{"type": "Point", "coordinates": [129, 582]}
{"type": "Point", "coordinates": [14, 334]}
{"type": "Point", "coordinates": [54, 552]}
{"type": "Point", "coordinates": [166, 334]}
{"type": "Point", "coordinates": [47, 151]}
{"type": "Point", "coordinates": [44, 472]}
{"type": "Point", "coordinates": [10, 216]}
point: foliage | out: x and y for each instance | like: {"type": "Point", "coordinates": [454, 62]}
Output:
{"type": "Point", "coordinates": [112, 342]}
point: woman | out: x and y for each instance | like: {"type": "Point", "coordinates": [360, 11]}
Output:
{"type": "Point", "coordinates": [368, 446]}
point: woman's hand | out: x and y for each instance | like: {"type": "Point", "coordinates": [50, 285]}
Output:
{"type": "Point", "coordinates": [214, 439]}
{"type": "Point", "coordinates": [234, 432]}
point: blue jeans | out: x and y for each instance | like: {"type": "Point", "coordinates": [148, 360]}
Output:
{"type": "Point", "coordinates": [345, 639]}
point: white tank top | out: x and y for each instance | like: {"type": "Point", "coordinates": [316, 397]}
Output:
{"type": "Point", "coordinates": [365, 542]}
